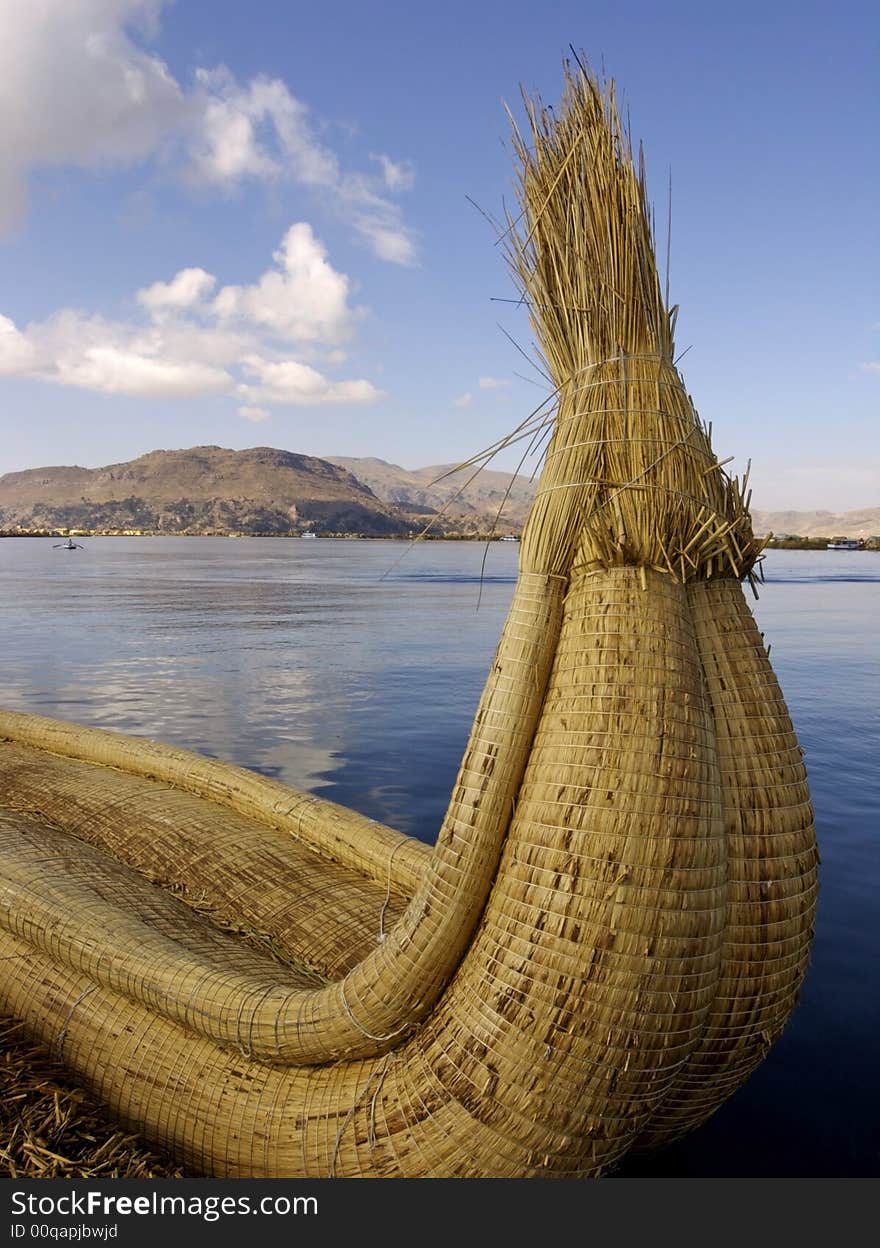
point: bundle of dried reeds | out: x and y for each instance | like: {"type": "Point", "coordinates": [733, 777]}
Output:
{"type": "Point", "coordinates": [615, 919]}
{"type": "Point", "coordinates": [631, 466]}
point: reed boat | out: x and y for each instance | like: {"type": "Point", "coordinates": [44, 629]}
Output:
{"type": "Point", "coordinates": [614, 922]}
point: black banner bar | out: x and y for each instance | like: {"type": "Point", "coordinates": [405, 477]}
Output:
{"type": "Point", "coordinates": [262, 1213]}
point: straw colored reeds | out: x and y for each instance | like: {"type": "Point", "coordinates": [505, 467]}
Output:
{"type": "Point", "coordinates": [50, 1129]}
{"type": "Point", "coordinates": [613, 924]}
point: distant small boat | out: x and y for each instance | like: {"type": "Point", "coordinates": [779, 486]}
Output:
{"type": "Point", "coordinates": [70, 544]}
{"type": "Point", "coordinates": [844, 543]}
{"type": "Point", "coordinates": [510, 537]}
{"type": "Point", "coordinates": [308, 535]}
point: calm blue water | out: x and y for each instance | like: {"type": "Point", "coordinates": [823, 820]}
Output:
{"type": "Point", "coordinates": [353, 668]}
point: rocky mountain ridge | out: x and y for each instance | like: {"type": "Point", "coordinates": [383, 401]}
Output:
{"type": "Point", "coordinates": [210, 489]}
{"type": "Point", "coordinates": [488, 498]}
{"type": "Point", "coordinates": [201, 489]}
{"type": "Point", "coordinates": [864, 522]}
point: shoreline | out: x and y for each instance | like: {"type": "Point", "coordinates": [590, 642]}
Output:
{"type": "Point", "coordinates": [365, 537]}
{"type": "Point", "coordinates": [788, 543]}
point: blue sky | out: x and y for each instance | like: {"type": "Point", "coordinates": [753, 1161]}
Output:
{"type": "Point", "coordinates": [250, 224]}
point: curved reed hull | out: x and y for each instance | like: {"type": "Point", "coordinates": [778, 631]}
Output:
{"type": "Point", "coordinates": [630, 963]}
{"type": "Point", "coordinates": [772, 862]}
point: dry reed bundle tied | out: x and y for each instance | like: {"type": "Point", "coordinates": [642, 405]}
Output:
{"type": "Point", "coordinates": [616, 917]}
{"type": "Point", "coordinates": [630, 456]}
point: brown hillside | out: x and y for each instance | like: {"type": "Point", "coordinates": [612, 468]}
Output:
{"type": "Point", "coordinates": [477, 504]}
{"type": "Point", "coordinates": [204, 488]}
{"type": "Point", "coordinates": [862, 523]}
{"type": "Point", "coordinates": [267, 490]}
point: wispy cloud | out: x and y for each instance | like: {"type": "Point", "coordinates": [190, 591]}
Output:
{"type": "Point", "coordinates": [492, 383]}
{"type": "Point", "coordinates": [187, 288]}
{"type": "Point", "coordinates": [258, 342]}
{"type": "Point", "coordinates": [397, 175]}
{"type": "Point", "coordinates": [256, 414]}
{"type": "Point", "coordinates": [463, 399]}
{"type": "Point", "coordinates": [870, 366]}
{"type": "Point", "coordinates": [261, 130]}
{"type": "Point", "coordinates": [84, 91]}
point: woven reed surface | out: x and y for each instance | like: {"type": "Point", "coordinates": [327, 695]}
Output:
{"type": "Point", "coordinates": [598, 978]}
{"type": "Point", "coordinates": [340, 834]}
{"type": "Point", "coordinates": [599, 949]}
{"type": "Point", "coordinates": [321, 914]}
{"type": "Point", "coordinates": [772, 862]}
{"type": "Point", "coordinates": [394, 986]}
{"type": "Point", "coordinates": [81, 908]}
{"type": "Point", "coordinates": [566, 1021]}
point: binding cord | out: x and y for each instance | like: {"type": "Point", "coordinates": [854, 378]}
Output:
{"type": "Point", "coordinates": [379, 1075]}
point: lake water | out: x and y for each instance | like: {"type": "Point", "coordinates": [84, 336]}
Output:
{"type": "Point", "coordinates": [353, 669]}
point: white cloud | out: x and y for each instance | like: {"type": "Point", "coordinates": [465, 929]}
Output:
{"type": "Point", "coordinates": [870, 366]}
{"type": "Point", "coordinates": [492, 383]}
{"type": "Point", "coordinates": [292, 382]}
{"type": "Point", "coordinates": [376, 218]}
{"type": "Point", "coordinates": [240, 342]}
{"type": "Point", "coordinates": [186, 289]}
{"type": "Point", "coordinates": [256, 414]}
{"type": "Point", "coordinates": [256, 130]}
{"type": "Point", "coordinates": [225, 146]}
{"type": "Point", "coordinates": [302, 299]}
{"type": "Point", "coordinates": [261, 130]}
{"type": "Point", "coordinates": [17, 355]}
{"type": "Point", "coordinates": [463, 399]}
{"type": "Point", "coordinates": [72, 349]}
{"type": "Point", "coordinates": [111, 371]}
{"type": "Point", "coordinates": [387, 242]}
{"type": "Point", "coordinates": [77, 88]}
{"type": "Point", "coordinates": [397, 176]}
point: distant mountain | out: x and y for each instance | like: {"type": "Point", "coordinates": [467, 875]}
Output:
{"type": "Point", "coordinates": [200, 490]}
{"type": "Point", "coordinates": [473, 503]}
{"type": "Point", "coordinates": [863, 523]}
{"type": "Point", "coordinates": [207, 489]}
{"type": "Point", "coordinates": [479, 501]}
